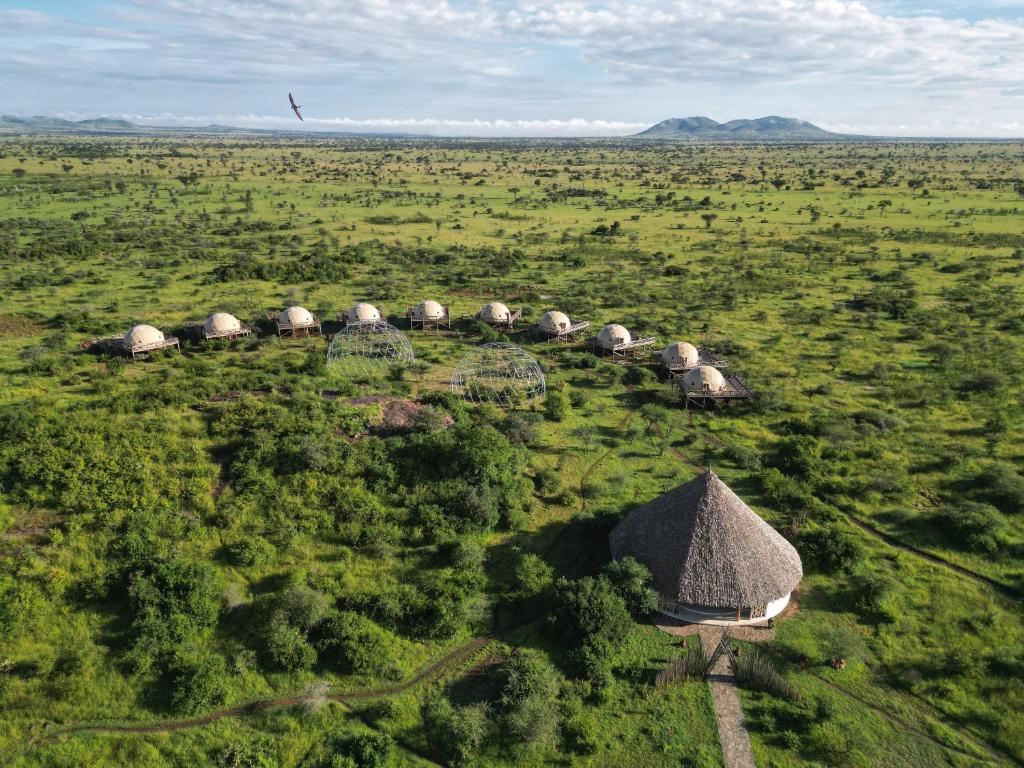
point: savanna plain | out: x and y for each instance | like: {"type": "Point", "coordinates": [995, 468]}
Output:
{"type": "Point", "coordinates": [236, 555]}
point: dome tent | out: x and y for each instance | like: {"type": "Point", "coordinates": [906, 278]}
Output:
{"type": "Point", "coordinates": [703, 379]}
{"type": "Point", "coordinates": [297, 321]}
{"type": "Point", "coordinates": [498, 373]}
{"type": "Point", "coordinates": [142, 336]}
{"type": "Point", "coordinates": [712, 559]}
{"type": "Point", "coordinates": [680, 355]}
{"type": "Point", "coordinates": [557, 326]}
{"type": "Point", "coordinates": [221, 325]}
{"type": "Point", "coordinates": [498, 316]}
{"type": "Point", "coordinates": [612, 335]}
{"type": "Point", "coordinates": [618, 342]}
{"type": "Point", "coordinates": [143, 339]}
{"type": "Point", "coordinates": [554, 321]}
{"type": "Point", "coordinates": [360, 313]}
{"type": "Point", "coordinates": [428, 315]}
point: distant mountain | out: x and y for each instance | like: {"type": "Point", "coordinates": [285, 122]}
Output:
{"type": "Point", "coordinates": [42, 124]}
{"type": "Point", "coordinates": [768, 128]}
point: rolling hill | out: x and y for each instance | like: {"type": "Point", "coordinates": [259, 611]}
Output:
{"type": "Point", "coordinates": [771, 127]}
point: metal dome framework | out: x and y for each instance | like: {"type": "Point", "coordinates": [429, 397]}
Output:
{"type": "Point", "coordinates": [500, 374]}
{"type": "Point", "coordinates": [368, 349]}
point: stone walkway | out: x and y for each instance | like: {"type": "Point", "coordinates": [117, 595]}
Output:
{"type": "Point", "coordinates": [732, 734]}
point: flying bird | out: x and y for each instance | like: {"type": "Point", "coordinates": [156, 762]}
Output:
{"type": "Point", "coordinates": [295, 108]}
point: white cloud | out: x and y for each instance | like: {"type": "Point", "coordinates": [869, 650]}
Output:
{"type": "Point", "coordinates": [411, 125]}
{"type": "Point", "coordinates": [537, 64]}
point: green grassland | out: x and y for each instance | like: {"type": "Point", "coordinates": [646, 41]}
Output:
{"type": "Point", "coordinates": [195, 532]}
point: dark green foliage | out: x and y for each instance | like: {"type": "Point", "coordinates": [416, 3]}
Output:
{"type": "Point", "coordinates": [170, 600]}
{"type": "Point", "coordinates": [533, 577]}
{"type": "Point", "coordinates": [198, 683]}
{"type": "Point", "coordinates": [528, 702]}
{"type": "Point", "coordinates": [972, 525]}
{"type": "Point", "coordinates": [632, 581]}
{"type": "Point", "coordinates": [1000, 485]}
{"type": "Point", "coordinates": [287, 646]}
{"type": "Point", "coordinates": [251, 550]}
{"type": "Point", "coordinates": [589, 608]}
{"type": "Point", "coordinates": [872, 596]}
{"type": "Point", "coordinates": [556, 404]}
{"type": "Point", "coordinates": [829, 549]}
{"type": "Point", "coordinates": [355, 644]}
{"type": "Point", "coordinates": [363, 750]}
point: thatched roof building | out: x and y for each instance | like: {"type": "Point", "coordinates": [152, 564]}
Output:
{"type": "Point", "coordinates": [711, 557]}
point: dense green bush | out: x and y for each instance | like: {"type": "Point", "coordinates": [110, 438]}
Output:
{"type": "Point", "coordinates": [829, 549]}
{"type": "Point", "coordinates": [632, 581]}
{"type": "Point", "coordinates": [198, 683]}
{"type": "Point", "coordinates": [972, 525]}
{"type": "Point", "coordinates": [356, 645]}
{"type": "Point", "coordinates": [528, 705]}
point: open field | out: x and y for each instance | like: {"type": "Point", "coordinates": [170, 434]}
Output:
{"type": "Point", "coordinates": [198, 531]}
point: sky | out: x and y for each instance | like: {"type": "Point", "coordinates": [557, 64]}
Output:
{"type": "Point", "coordinates": [520, 67]}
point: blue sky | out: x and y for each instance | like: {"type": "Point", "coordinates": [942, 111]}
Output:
{"type": "Point", "coordinates": [520, 67]}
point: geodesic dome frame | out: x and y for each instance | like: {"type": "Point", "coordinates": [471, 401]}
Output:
{"type": "Point", "coordinates": [368, 348]}
{"type": "Point", "coordinates": [498, 373]}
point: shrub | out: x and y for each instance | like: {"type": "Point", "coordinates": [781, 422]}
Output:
{"type": "Point", "coordinates": [556, 405]}
{"type": "Point", "coordinates": [632, 581]}
{"type": "Point", "coordinates": [287, 646]}
{"type": "Point", "coordinates": [872, 597]}
{"type": "Point", "coordinates": [251, 550]}
{"type": "Point", "coordinates": [589, 608]}
{"type": "Point", "coordinates": [829, 550]}
{"type": "Point", "coordinates": [974, 525]}
{"type": "Point", "coordinates": [365, 750]}
{"type": "Point", "coordinates": [198, 683]}
{"type": "Point", "coordinates": [528, 700]}
{"type": "Point", "coordinates": [1000, 485]}
{"type": "Point", "coordinates": [357, 644]}
{"type": "Point", "coordinates": [466, 732]}
{"type": "Point", "coordinates": [533, 577]}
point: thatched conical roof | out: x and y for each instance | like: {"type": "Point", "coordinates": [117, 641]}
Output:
{"type": "Point", "coordinates": [704, 546]}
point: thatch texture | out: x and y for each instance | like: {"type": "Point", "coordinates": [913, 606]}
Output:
{"type": "Point", "coordinates": [705, 547]}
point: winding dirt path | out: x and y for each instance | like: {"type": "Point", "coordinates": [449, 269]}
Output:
{"type": "Point", "coordinates": [452, 658]}
{"type": "Point", "coordinates": [992, 751]}
{"type": "Point", "coordinates": [892, 541]}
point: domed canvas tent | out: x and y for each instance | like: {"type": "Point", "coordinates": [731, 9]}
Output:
{"type": "Point", "coordinates": [556, 326]}
{"type": "Point", "coordinates": [705, 386]}
{"type": "Point", "coordinates": [362, 313]}
{"type": "Point", "coordinates": [712, 559]}
{"type": "Point", "coordinates": [498, 316]}
{"type": "Point", "coordinates": [680, 357]}
{"type": "Point", "coordinates": [428, 315]}
{"type": "Point", "coordinates": [618, 342]}
{"type": "Point", "coordinates": [297, 321]}
{"type": "Point", "coordinates": [143, 339]}
{"type": "Point", "coordinates": [221, 325]}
